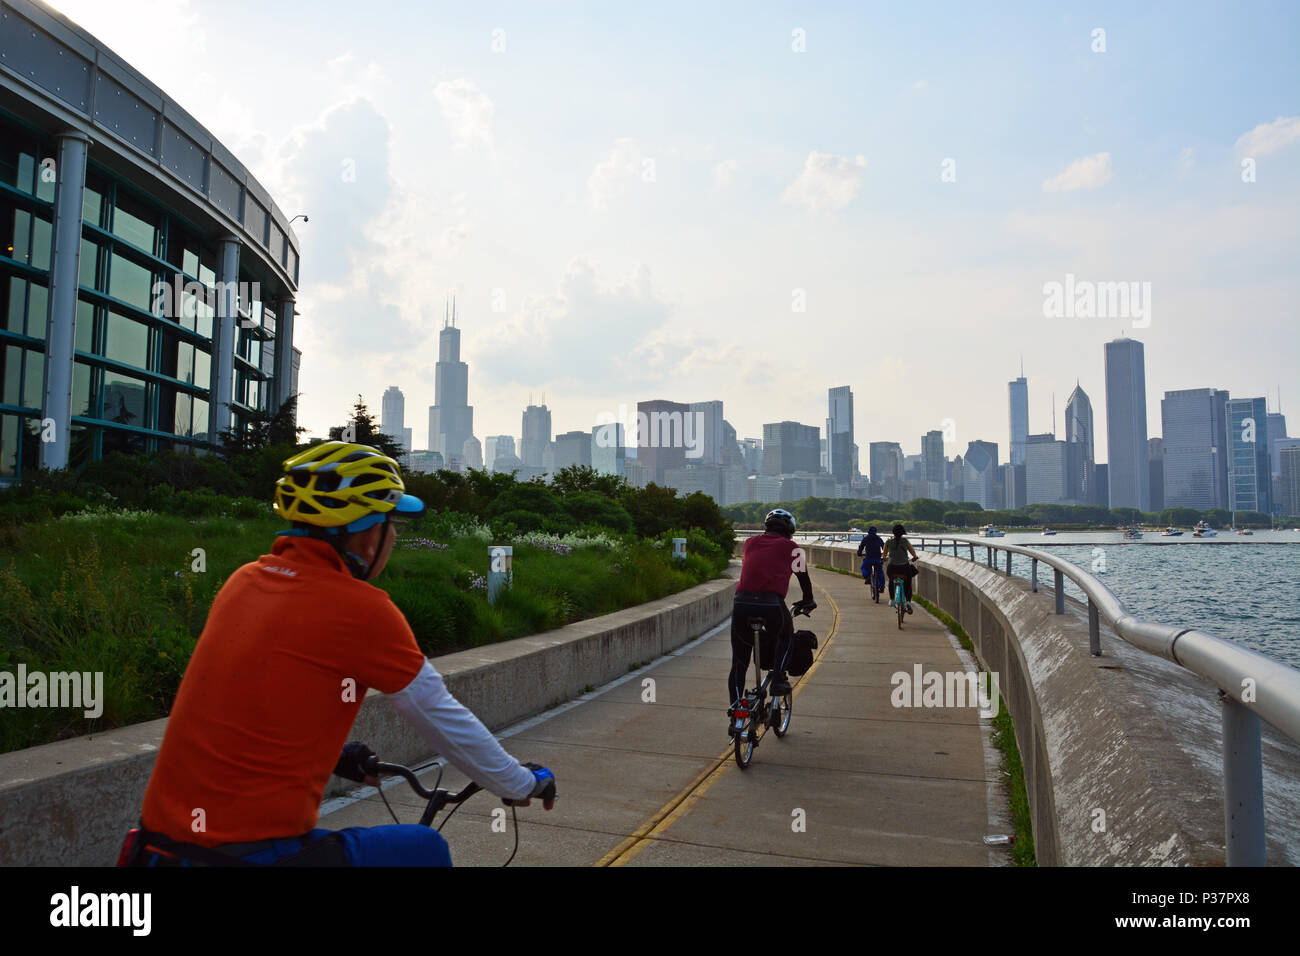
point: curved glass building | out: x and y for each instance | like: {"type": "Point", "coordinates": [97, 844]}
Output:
{"type": "Point", "coordinates": [147, 280]}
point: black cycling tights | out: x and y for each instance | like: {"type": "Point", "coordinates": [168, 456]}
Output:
{"type": "Point", "coordinates": [904, 571]}
{"type": "Point", "coordinates": [776, 618]}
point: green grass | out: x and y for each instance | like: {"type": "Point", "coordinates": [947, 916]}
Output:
{"type": "Point", "coordinates": [124, 593]}
{"type": "Point", "coordinates": [1004, 738]}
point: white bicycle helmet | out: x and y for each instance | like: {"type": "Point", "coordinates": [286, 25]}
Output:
{"type": "Point", "coordinates": [780, 521]}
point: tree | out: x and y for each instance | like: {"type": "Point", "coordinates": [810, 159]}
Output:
{"type": "Point", "coordinates": [262, 429]}
{"type": "Point", "coordinates": [364, 430]}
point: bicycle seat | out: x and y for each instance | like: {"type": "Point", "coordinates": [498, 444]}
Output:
{"type": "Point", "coordinates": [757, 623]}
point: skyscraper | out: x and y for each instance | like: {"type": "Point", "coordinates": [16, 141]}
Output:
{"type": "Point", "coordinates": [1047, 473]}
{"type": "Point", "coordinates": [1249, 472]}
{"type": "Point", "coordinates": [1126, 425]}
{"type": "Point", "coordinates": [663, 430]}
{"type": "Point", "coordinates": [572, 448]}
{"type": "Point", "coordinates": [980, 474]}
{"type": "Point", "coordinates": [392, 420]}
{"type": "Point", "coordinates": [497, 446]}
{"type": "Point", "coordinates": [1019, 397]}
{"type": "Point", "coordinates": [932, 470]}
{"type": "Point", "coordinates": [706, 426]}
{"type": "Point", "coordinates": [886, 461]}
{"type": "Point", "coordinates": [1156, 466]}
{"type": "Point", "coordinates": [451, 418]}
{"type": "Point", "coordinates": [536, 432]}
{"type": "Point", "coordinates": [839, 435]}
{"type": "Point", "coordinates": [1079, 436]}
{"type": "Point", "coordinates": [789, 447]}
{"type": "Point", "coordinates": [1193, 425]}
{"type": "Point", "coordinates": [608, 449]}
{"type": "Point", "coordinates": [1290, 479]}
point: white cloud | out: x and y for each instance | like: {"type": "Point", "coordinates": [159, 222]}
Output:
{"type": "Point", "coordinates": [626, 162]}
{"type": "Point", "coordinates": [827, 181]}
{"type": "Point", "coordinates": [1187, 158]}
{"type": "Point", "coordinates": [1269, 137]}
{"type": "Point", "coordinates": [1086, 173]}
{"type": "Point", "coordinates": [724, 174]}
{"type": "Point", "coordinates": [467, 111]}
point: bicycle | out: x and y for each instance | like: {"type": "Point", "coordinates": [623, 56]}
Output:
{"type": "Point", "coordinates": [439, 798]}
{"type": "Point", "coordinates": [136, 849]}
{"type": "Point", "coordinates": [876, 578]}
{"type": "Point", "coordinates": [754, 708]}
{"type": "Point", "coordinates": [899, 586]}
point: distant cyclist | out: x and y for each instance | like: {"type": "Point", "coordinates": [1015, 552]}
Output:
{"type": "Point", "coordinates": [291, 645]}
{"type": "Point", "coordinates": [767, 562]}
{"type": "Point", "coordinates": [871, 551]}
{"type": "Point", "coordinates": [897, 565]}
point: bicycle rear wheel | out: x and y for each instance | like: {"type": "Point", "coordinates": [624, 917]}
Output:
{"type": "Point", "coordinates": [744, 746]}
{"type": "Point", "coordinates": [898, 601]}
{"type": "Point", "coordinates": [786, 704]}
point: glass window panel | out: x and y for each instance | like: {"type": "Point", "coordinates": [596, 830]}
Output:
{"type": "Point", "coordinates": [26, 172]}
{"type": "Point", "coordinates": [135, 222]}
{"type": "Point", "coordinates": [202, 369]}
{"type": "Point", "coordinates": [87, 263]}
{"type": "Point", "coordinates": [128, 341]}
{"type": "Point", "coordinates": [124, 399]}
{"type": "Point", "coordinates": [184, 404]}
{"type": "Point", "coordinates": [255, 352]}
{"type": "Point", "coordinates": [34, 379]}
{"type": "Point", "coordinates": [10, 388]}
{"type": "Point", "coordinates": [200, 426]}
{"type": "Point", "coordinates": [37, 308]}
{"type": "Point", "coordinates": [45, 177]}
{"type": "Point", "coordinates": [41, 233]}
{"type": "Point", "coordinates": [203, 315]}
{"type": "Point", "coordinates": [276, 242]}
{"type": "Point", "coordinates": [207, 273]}
{"type": "Point", "coordinates": [19, 242]}
{"type": "Point", "coordinates": [130, 282]}
{"type": "Point", "coordinates": [85, 336]}
{"type": "Point", "coordinates": [81, 396]}
{"type": "Point", "coordinates": [92, 205]}
{"type": "Point", "coordinates": [185, 362]}
{"type": "Point", "coordinates": [8, 446]}
{"type": "Point", "coordinates": [190, 262]}
{"type": "Point", "coordinates": [17, 304]}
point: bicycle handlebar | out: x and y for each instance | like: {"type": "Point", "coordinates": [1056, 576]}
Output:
{"type": "Point", "coordinates": [374, 767]}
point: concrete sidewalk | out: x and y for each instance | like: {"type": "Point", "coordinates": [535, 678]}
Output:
{"type": "Point", "coordinates": [654, 783]}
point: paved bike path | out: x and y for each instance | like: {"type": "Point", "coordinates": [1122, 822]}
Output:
{"type": "Point", "coordinates": [646, 775]}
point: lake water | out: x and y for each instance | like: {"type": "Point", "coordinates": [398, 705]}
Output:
{"type": "Point", "coordinates": [1242, 589]}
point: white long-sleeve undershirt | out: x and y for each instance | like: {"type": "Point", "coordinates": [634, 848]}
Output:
{"type": "Point", "coordinates": [452, 730]}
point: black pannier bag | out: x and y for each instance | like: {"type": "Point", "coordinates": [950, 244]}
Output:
{"type": "Point", "coordinates": [801, 652]}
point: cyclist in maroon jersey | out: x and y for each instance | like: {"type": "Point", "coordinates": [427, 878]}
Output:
{"type": "Point", "coordinates": [767, 562]}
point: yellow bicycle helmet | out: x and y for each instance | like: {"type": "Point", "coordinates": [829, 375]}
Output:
{"type": "Point", "coordinates": [342, 487]}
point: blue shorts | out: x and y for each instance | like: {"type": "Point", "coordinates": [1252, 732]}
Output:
{"type": "Point", "coordinates": [401, 844]}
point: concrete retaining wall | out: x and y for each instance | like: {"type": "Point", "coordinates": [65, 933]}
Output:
{"type": "Point", "coordinates": [71, 802]}
{"type": "Point", "coordinates": [1120, 752]}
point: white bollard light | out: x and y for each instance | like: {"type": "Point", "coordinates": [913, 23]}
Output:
{"type": "Point", "coordinates": [500, 559]}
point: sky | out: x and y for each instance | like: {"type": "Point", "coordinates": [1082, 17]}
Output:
{"type": "Point", "coordinates": [756, 202]}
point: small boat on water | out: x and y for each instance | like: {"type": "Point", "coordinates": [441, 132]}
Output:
{"type": "Point", "coordinates": [1244, 531]}
{"type": "Point", "coordinates": [991, 531]}
{"type": "Point", "coordinates": [1203, 530]}
{"type": "Point", "coordinates": [1132, 534]}
{"type": "Point", "coordinates": [1171, 533]}
{"type": "Point", "coordinates": [1048, 531]}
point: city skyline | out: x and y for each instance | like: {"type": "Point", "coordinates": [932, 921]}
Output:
{"type": "Point", "coordinates": [470, 190]}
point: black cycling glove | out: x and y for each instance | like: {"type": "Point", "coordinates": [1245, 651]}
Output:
{"type": "Point", "coordinates": [352, 762]}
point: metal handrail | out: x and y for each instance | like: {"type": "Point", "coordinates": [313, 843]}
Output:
{"type": "Point", "coordinates": [1251, 685]}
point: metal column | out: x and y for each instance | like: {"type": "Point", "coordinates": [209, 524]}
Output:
{"type": "Point", "coordinates": [1243, 785]}
{"type": "Point", "coordinates": [283, 370]}
{"type": "Point", "coordinates": [223, 345]}
{"type": "Point", "coordinates": [1058, 582]}
{"type": "Point", "coordinates": [61, 313]}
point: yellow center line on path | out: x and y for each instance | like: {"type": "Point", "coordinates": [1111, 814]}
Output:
{"type": "Point", "coordinates": [664, 817]}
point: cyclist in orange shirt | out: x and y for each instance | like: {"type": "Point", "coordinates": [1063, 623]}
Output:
{"type": "Point", "coordinates": [290, 647]}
